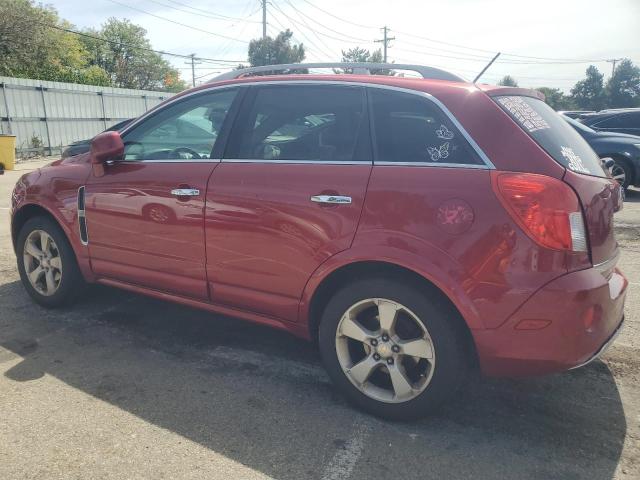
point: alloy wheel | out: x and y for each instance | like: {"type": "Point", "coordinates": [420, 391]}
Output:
{"type": "Point", "coordinates": [385, 350]}
{"type": "Point", "coordinates": [42, 262]}
{"type": "Point", "coordinates": [618, 173]}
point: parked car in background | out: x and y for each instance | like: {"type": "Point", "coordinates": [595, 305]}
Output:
{"type": "Point", "coordinates": [624, 120]}
{"type": "Point", "coordinates": [575, 113]}
{"type": "Point", "coordinates": [385, 218]}
{"type": "Point", "coordinates": [623, 149]}
{"type": "Point", "coordinates": [83, 146]}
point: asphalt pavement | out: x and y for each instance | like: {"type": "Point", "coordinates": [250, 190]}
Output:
{"type": "Point", "coordinates": [121, 386]}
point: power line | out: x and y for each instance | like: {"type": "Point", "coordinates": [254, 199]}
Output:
{"type": "Point", "coordinates": [136, 47]}
{"type": "Point", "coordinates": [208, 13]}
{"type": "Point", "coordinates": [338, 18]}
{"type": "Point", "coordinates": [178, 23]}
{"type": "Point", "coordinates": [204, 13]}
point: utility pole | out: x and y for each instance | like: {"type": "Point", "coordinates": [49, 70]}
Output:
{"type": "Point", "coordinates": [385, 41]}
{"type": "Point", "coordinates": [264, 19]}
{"type": "Point", "coordinates": [614, 61]}
{"type": "Point", "coordinates": [193, 68]}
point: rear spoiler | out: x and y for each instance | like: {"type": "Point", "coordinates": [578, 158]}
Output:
{"type": "Point", "coordinates": [498, 90]}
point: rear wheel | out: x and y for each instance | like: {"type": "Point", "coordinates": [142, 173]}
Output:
{"type": "Point", "coordinates": [390, 349]}
{"type": "Point", "coordinates": [47, 264]}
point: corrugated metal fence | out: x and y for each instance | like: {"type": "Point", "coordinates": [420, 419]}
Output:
{"type": "Point", "coordinates": [46, 116]}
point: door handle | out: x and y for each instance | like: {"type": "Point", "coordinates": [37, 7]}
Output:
{"type": "Point", "coordinates": [185, 192]}
{"type": "Point", "coordinates": [333, 199]}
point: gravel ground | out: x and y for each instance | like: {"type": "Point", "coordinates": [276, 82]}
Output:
{"type": "Point", "coordinates": [123, 386]}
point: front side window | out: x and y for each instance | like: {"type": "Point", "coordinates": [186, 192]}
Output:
{"type": "Point", "coordinates": [411, 129]}
{"type": "Point", "coordinates": [186, 130]}
{"type": "Point", "coordinates": [301, 123]}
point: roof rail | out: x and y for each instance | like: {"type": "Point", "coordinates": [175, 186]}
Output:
{"type": "Point", "coordinates": [362, 68]}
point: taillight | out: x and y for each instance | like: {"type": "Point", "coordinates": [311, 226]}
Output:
{"type": "Point", "coordinates": [546, 208]}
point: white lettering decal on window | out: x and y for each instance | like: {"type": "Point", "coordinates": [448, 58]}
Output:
{"type": "Point", "coordinates": [527, 116]}
{"type": "Point", "coordinates": [574, 161]}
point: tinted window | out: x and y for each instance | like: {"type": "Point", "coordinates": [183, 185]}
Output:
{"type": "Point", "coordinates": [409, 128]}
{"type": "Point", "coordinates": [616, 121]}
{"type": "Point", "coordinates": [185, 130]}
{"type": "Point", "coordinates": [300, 122]}
{"type": "Point", "coordinates": [552, 133]}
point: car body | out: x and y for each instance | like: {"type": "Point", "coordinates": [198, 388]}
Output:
{"type": "Point", "coordinates": [622, 148]}
{"type": "Point", "coordinates": [575, 113]}
{"type": "Point", "coordinates": [395, 221]}
{"type": "Point", "coordinates": [83, 146]}
{"type": "Point", "coordinates": [623, 120]}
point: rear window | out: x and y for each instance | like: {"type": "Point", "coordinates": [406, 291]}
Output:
{"type": "Point", "coordinates": [553, 134]}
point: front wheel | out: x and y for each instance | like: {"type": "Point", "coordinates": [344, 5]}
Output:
{"type": "Point", "coordinates": [621, 172]}
{"type": "Point", "coordinates": [391, 349]}
{"type": "Point", "coordinates": [47, 264]}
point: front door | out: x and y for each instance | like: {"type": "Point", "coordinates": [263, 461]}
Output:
{"type": "Point", "coordinates": [287, 195]}
{"type": "Point", "coordinates": [145, 214]}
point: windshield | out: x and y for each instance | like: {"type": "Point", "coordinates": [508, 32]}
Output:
{"type": "Point", "coordinates": [577, 125]}
{"type": "Point", "coordinates": [552, 133]}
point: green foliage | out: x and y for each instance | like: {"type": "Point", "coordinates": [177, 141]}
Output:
{"type": "Point", "coordinates": [556, 99]}
{"type": "Point", "coordinates": [126, 57]}
{"type": "Point", "coordinates": [358, 54]}
{"type": "Point", "coordinates": [623, 88]}
{"type": "Point", "coordinates": [589, 94]}
{"type": "Point", "coordinates": [508, 81]}
{"type": "Point", "coordinates": [31, 49]}
{"type": "Point", "coordinates": [270, 51]}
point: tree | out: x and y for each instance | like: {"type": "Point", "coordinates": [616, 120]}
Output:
{"type": "Point", "coordinates": [508, 81]}
{"type": "Point", "coordinates": [31, 46]}
{"type": "Point", "coordinates": [357, 54]}
{"type": "Point", "coordinates": [122, 49]}
{"type": "Point", "coordinates": [589, 94]}
{"type": "Point", "coordinates": [623, 88]}
{"type": "Point", "coordinates": [556, 99]}
{"type": "Point", "coordinates": [272, 51]}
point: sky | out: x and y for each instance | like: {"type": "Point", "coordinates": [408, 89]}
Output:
{"type": "Point", "coordinates": [543, 42]}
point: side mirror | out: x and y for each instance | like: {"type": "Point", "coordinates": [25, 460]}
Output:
{"type": "Point", "coordinates": [106, 146]}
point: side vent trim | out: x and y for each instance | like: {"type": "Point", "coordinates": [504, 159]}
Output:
{"type": "Point", "coordinates": [82, 220]}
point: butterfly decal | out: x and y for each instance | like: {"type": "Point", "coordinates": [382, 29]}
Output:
{"type": "Point", "coordinates": [439, 153]}
{"type": "Point", "coordinates": [444, 133]}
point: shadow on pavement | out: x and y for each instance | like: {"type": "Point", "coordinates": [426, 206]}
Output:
{"type": "Point", "coordinates": [260, 397]}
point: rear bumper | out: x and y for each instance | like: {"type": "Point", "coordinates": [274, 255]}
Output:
{"type": "Point", "coordinates": [566, 324]}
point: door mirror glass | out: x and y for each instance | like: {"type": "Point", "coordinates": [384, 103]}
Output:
{"type": "Point", "coordinates": [106, 146]}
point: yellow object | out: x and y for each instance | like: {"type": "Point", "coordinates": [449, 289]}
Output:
{"type": "Point", "coordinates": [7, 152]}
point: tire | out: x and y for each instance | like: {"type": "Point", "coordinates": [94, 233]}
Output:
{"type": "Point", "coordinates": [435, 379]}
{"type": "Point", "coordinates": [68, 280]}
{"type": "Point", "coordinates": [622, 168]}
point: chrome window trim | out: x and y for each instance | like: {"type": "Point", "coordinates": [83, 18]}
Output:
{"type": "Point", "coordinates": [299, 162]}
{"type": "Point", "coordinates": [475, 166]}
{"type": "Point", "coordinates": [483, 156]}
{"type": "Point", "coordinates": [168, 160]}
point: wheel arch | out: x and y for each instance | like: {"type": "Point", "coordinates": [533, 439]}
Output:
{"type": "Point", "coordinates": [26, 212]}
{"type": "Point", "coordinates": [349, 272]}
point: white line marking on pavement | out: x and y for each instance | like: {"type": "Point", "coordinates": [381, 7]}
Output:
{"type": "Point", "coordinates": [345, 459]}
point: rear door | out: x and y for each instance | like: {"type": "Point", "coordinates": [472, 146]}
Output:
{"type": "Point", "coordinates": [145, 214]}
{"type": "Point", "coordinates": [599, 194]}
{"type": "Point", "coordinates": [287, 195]}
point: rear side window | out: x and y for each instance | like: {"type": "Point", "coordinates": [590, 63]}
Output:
{"type": "Point", "coordinates": [552, 133]}
{"type": "Point", "coordinates": [412, 129]}
{"type": "Point", "coordinates": [302, 123]}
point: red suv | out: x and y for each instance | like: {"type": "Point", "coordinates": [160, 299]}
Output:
{"type": "Point", "coordinates": [414, 227]}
